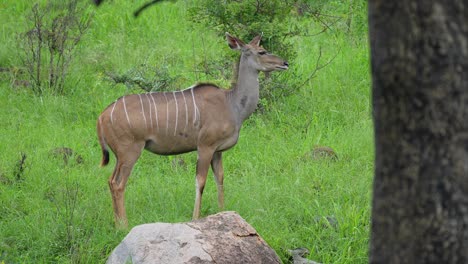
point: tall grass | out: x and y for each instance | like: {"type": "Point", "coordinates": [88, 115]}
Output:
{"type": "Point", "coordinates": [53, 212]}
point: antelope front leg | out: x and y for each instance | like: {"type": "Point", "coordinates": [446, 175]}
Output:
{"type": "Point", "coordinates": [205, 156]}
{"type": "Point", "coordinates": [217, 167]}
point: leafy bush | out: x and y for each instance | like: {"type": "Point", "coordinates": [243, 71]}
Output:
{"type": "Point", "coordinates": [246, 19]}
{"type": "Point", "coordinates": [280, 21]}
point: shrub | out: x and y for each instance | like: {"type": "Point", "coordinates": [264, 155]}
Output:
{"type": "Point", "coordinates": [48, 46]}
{"type": "Point", "coordinates": [147, 77]}
{"type": "Point", "coordinates": [281, 22]}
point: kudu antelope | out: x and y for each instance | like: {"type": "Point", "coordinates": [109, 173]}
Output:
{"type": "Point", "coordinates": [203, 117]}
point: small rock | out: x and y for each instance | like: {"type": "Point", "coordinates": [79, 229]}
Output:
{"type": "Point", "coordinates": [179, 162]}
{"type": "Point", "coordinates": [22, 83]}
{"type": "Point", "coordinates": [321, 152]}
{"type": "Point", "coordinates": [66, 154]}
{"type": "Point", "coordinates": [5, 180]}
{"type": "Point", "coordinates": [299, 256]}
{"type": "Point", "coordinates": [328, 221]}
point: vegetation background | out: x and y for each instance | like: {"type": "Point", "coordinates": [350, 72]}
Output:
{"type": "Point", "coordinates": [57, 211]}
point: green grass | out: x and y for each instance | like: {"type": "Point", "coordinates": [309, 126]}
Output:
{"type": "Point", "coordinates": [62, 213]}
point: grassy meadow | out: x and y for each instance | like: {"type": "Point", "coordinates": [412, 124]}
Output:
{"type": "Point", "coordinates": [52, 212]}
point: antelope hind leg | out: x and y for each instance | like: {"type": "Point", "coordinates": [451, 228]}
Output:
{"type": "Point", "coordinates": [117, 198]}
{"type": "Point", "coordinates": [118, 180]}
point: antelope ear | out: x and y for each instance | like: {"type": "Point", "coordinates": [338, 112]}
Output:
{"type": "Point", "coordinates": [234, 43]}
{"type": "Point", "coordinates": [256, 41]}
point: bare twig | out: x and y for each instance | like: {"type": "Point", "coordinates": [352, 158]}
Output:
{"type": "Point", "coordinates": [318, 66]}
{"type": "Point", "coordinates": [98, 2]}
{"type": "Point", "coordinates": [143, 7]}
{"type": "Point", "coordinates": [318, 16]}
{"type": "Point", "coordinates": [20, 167]}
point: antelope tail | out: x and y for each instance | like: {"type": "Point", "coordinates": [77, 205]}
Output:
{"type": "Point", "coordinates": [102, 142]}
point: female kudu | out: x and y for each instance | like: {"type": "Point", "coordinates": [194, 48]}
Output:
{"type": "Point", "coordinates": [204, 118]}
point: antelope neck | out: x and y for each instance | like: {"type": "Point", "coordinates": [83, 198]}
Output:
{"type": "Point", "coordinates": [244, 95]}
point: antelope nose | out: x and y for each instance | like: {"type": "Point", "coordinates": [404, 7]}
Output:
{"type": "Point", "coordinates": [286, 64]}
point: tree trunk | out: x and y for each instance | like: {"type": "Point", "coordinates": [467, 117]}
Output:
{"type": "Point", "coordinates": [419, 60]}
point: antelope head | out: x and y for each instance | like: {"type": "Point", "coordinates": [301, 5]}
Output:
{"type": "Point", "coordinates": [257, 57]}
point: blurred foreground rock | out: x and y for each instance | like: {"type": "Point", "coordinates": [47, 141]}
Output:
{"type": "Point", "coordinates": [221, 238]}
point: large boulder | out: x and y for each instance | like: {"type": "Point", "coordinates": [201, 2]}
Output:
{"type": "Point", "coordinates": [221, 238]}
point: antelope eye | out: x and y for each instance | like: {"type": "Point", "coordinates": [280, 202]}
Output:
{"type": "Point", "coordinates": [262, 52]}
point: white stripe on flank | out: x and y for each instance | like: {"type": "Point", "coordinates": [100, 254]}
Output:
{"type": "Point", "coordinates": [176, 113]}
{"type": "Point", "coordinates": [151, 116]}
{"type": "Point", "coordinates": [167, 112]}
{"type": "Point", "coordinates": [186, 112]}
{"type": "Point", "coordinates": [126, 113]}
{"type": "Point", "coordinates": [112, 112]}
{"type": "Point", "coordinates": [186, 89]}
{"type": "Point", "coordinates": [143, 110]}
{"type": "Point", "coordinates": [195, 107]}
{"type": "Point", "coordinates": [155, 110]}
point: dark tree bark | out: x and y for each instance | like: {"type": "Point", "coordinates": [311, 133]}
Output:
{"type": "Point", "coordinates": [419, 60]}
